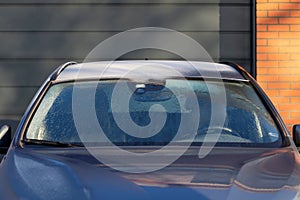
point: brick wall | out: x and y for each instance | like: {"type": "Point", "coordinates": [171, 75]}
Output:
{"type": "Point", "coordinates": [278, 55]}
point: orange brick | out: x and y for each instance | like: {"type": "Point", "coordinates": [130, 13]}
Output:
{"type": "Point", "coordinates": [291, 122]}
{"type": "Point", "coordinates": [263, 49]}
{"type": "Point", "coordinates": [289, 93]}
{"type": "Point", "coordinates": [278, 28]}
{"type": "Point", "coordinates": [267, 63]}
{"type": "Point", "coordinates": [289, 35]}
{"type": "Point", "coordinates": [292, 65]}
{"type": "Point", "coordinates": [295, 56]}
{"type": "Point", "coordinates": [267, 6]}
{"type": "Point", "coordinates": [292, 49]}
{"type": "Point", "coordinates": [278, 85]}
{"type": "Point", "coordinates": [261, 13]}
{"type": "Point", "coordinates": [261, 42]}
{"type": "Point", "coordinates": [289, 20]}
{"type": "Point", "coordinates": [267, 20]}
{"type": "Point", "coordinates": [295, 28]}
{"type": "Point", "coordinates": [289, 106]}
{"type": "Point", "coordinates": [286, 69]}
{"type": "Point", "coordinates": [295, 13]}
{"type": "Point", "coordinates": [278, 42]}
{"type": "Point", "coordinates": [272, 93]}
{"type": "Point", "coordinates": [295, 114]}
{"type": "Point", "coordinates": [279, 100]}
{"type": "Point", "coordinates": [289, 6]}
{"type": "Point", "coordinates": [261, 27]}
{"type": "Point", "coordinates": [261, 70]}
{"type": "Point", "coordinates": [291, 78]}
{"type": "Point", "coordinates": [278, 13]}
{"type": "Point", "coordinates": [267, 35]}
{"type": "Point", "coordinates": [279, 56]}
{"type": "Point", "coordinates": [295, 41]}
{"type": "Point", "coordinates": [267, 78]}
{"type": "Point", "coordinates": [279, 1]}
{"type": "Point", "coordinates": [283, 71]}
{"type": "Point", "coordinates": [295, 100]}
{"type": "Point", "coordinates": [295, 86]}
{"type": "Point", "coordinates": [276, 70]}
{"type": "Point", "coordinates": [261, 56]}
{"type": "Point", "coordinates": [284, 107]}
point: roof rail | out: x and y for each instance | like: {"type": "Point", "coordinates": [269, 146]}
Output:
{"type": "Point", "coordinates": [240, 69]}
{"type": "Point", "coordinates": [60, 69]}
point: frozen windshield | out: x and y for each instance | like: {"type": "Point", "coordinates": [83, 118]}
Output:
{"type": "Point", "coordinates": [247, 121]}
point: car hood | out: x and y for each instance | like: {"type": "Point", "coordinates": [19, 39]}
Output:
{"type": "Point", "coordinates": [223, 174]}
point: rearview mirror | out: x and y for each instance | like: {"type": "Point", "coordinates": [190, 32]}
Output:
{"type": "Point", "coordinates": [5, 138]}
{"type": "Point", "coordinates": [151, 93]}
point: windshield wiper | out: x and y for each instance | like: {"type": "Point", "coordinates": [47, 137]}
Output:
{"type": "Point", "coordinates": [52, 143]}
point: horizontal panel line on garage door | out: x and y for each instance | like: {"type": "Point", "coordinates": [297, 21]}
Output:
{"type": "Point", "coordinates": [19, 86]}
{"type": "Point", "coordinates": [62, 60]}
{"type": "Point", "coordinates": [40, 59]}
{"type": "Point", "coordinates": [126, 2]}
{"type": "Point", "coordinates": [79, 59]}
{"type": "Point", "coordinates": [116, 31]}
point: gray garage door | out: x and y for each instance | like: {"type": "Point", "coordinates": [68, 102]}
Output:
{"type": "Point", "coordinates": [37, 36]}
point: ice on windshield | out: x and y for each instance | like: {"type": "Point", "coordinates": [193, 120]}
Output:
{"type": "Point", "coordinates": [247, 120]}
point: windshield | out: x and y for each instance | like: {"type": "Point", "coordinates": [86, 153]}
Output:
{"type": "Point", "coordinates": [247, 121]}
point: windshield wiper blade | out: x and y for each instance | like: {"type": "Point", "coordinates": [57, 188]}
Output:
{"type": "Point", "coordinates": [52, 143]}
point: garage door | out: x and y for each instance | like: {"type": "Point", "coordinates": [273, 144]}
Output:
{"type": "Point", "coordinates": [37, 36]}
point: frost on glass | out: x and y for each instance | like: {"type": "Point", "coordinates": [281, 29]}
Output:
{"type": "Point", "coordinates": [247, 120]}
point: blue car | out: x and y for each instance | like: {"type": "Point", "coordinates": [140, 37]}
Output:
{"type": "Point", "coordinates": [146, 129]}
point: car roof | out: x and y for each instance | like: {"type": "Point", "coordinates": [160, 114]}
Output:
{"type": "Point", "coordinates": [147, 68]}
